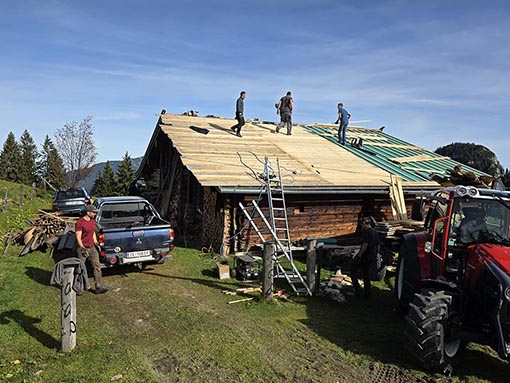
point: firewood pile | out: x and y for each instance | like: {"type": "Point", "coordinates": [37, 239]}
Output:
{"type": "Point", "coordinates": [41, 233]}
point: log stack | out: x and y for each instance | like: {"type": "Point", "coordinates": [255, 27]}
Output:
{"type": "Point", "coordinates": [42, 232]}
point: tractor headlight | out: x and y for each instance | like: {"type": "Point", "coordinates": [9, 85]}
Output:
{"type": "Point", "coordinates": [461, 191]}
{"type": "Point", "coordinates": [473, 192]}
{"type": "Point", "coordinates": [507, 293]}
{"type": "Point", "coordinates": [427, 247]}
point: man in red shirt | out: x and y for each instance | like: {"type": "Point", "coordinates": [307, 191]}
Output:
{"type": "Point", "coordinates": [86, 240]}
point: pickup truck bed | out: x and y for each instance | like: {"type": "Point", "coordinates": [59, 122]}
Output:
{"type": "Point", "coordinates": [130, 231]}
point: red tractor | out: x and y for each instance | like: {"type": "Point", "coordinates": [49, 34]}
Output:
{"type": "Point", "coordinates": [453, 279]}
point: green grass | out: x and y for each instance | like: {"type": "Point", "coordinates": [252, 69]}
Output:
{"type": "Point", "coordinates": [14, 218]}
{"type": "Point", "coordinates": [172, 323]}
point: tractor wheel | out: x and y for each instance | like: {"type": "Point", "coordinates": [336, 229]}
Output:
{"type": "Point", "coordinates": [427, 331]}
{"type": "Point", "coordinates": [406, 282]}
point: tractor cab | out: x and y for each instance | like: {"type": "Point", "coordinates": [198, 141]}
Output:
{"type": "Point", "coordinates": [462, 221]}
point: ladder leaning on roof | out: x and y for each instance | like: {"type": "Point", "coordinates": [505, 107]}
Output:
{"type": "Point", "coordinates": [277, 227]}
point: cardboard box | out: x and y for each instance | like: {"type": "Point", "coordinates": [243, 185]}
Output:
{"type": "Point", "coordinates": [223, 271]}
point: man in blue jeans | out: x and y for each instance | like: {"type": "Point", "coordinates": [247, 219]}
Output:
{"type": "Point", "coordinates": [343, 121]}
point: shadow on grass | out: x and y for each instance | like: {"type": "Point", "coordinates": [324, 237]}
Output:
{"type": "Point", "coordinates": [28, 324]}
{"type": "Point", "coordinates": [41, 276]}
{"type": "Point", "coordinates": [373, 327]}
{"type": "Point", "coordinates": [208, 273]}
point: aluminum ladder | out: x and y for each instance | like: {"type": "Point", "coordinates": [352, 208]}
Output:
{"type": "Point", "coordinates": [277, 227]}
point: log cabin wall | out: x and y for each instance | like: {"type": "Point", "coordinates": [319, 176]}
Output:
{"type": "Point", "coordinates": [213, 219]}
{"type": "Point", "coordinates": [317, 216]}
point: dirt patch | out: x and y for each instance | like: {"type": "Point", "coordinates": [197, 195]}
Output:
{"type": "Point", "coordinates": [382, 373]}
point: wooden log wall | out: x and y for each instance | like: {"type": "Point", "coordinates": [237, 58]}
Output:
{"type": "Point", "coordinates": [212, 221]}
{"type": "Point", "coordinates": [315, 216]}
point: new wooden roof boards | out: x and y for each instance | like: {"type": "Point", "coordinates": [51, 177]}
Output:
{"type": "Point", "coordinates": [311, 157]}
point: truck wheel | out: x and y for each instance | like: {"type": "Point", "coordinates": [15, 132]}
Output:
{"type": "Point", "coordinates": [427, 331]}
{"type": "Point", "coordinates": [406, 282]}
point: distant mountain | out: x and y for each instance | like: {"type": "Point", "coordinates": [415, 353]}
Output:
{"type": "Point", "coordinates": [88, 182]}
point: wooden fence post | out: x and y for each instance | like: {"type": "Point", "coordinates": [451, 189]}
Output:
{"type": "Point", "coordinates": [20, 196]}
{"type": "Point", "coordinates": [267, 270]}
{"type": "Point", "coordinates": [68, 315]}
{"type": "Point", "coordinates": [4, 206]}
{"type": "Point", "coordinates": [311, 262]}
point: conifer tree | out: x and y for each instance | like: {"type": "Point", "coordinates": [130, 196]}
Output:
{"type": "Point", "coordinates": [28, 158]}
{"type": "Point", "coordinates": [125, 175]}
{"type": "Point", "coordinates": [104, 185]}
{"type": "Point", "coordinates": [10, 160]}
{"type": "Point", "coordinates": [98, 187]}
{"type": "Point", "coordinates": [50, 165]}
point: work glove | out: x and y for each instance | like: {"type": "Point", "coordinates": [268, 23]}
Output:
{"type": "Point", "coordinates": [84, 252]}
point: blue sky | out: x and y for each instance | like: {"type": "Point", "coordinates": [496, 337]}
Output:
{"type": "Point", "coordinates": [433, 72]}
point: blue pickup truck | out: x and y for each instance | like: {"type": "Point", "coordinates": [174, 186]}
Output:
{"type": "Point", "coordinates": [130, 231]}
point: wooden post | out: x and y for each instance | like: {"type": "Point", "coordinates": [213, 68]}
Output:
{"type": "Point", "coordinates": [4, 206]}
{"type": "Point", "coordinates": [311, 262]}
{"type": "Point", "coordinates": [7, 242]}
{"type": "Point", "coordinates": [32, 192]}
{"type": "Point", "coordinates": [267, 270]}
{"type": "Point", "coordinates": [20, 196]}
{"type": "Point", "coordinates": [320, 256]}
{"type": "Point", "coordinates": [68, 316]}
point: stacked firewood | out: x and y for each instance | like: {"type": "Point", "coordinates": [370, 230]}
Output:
{"type": "Point", "coordinates": [41, 233]}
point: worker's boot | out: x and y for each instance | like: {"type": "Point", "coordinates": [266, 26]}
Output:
{"type": "Point", "coordinates": [100, 290]}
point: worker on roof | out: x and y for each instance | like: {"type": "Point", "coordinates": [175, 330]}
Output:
{"type": "Point", "coordinates": [239, 114]}
{"type": "Point", "coordinates": [285, 107]}
{"type": "Point", "coordinates": [343, 121]}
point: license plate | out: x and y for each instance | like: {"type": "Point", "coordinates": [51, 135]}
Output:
{"type": "Point", "coordinates": [72, 203]}
{"type": "Point", "coordinates": [136, 254]}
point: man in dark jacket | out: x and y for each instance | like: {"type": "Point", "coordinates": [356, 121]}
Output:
{"type": "Point", "coordinates": [285, 107]}
{"type": "Point", "coordinates": [239, 114]}
{"type": "Point", "coordinates": [366, 255]}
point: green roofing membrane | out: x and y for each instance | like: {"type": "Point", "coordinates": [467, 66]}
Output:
{"type": "Point", "coordinates": [380, 156]}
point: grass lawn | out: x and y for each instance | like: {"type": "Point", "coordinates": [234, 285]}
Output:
{"type": "Point", "coordinates": [172, 323]}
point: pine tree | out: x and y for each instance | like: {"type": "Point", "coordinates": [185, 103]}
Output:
{"type": "Point", "coordinates": [28, 158]}
{"type": "Point", "coordinates": [50, 165]}
{"type": "Point", "coordinates": [98, 187]}
{"type": "Point", "coordinates": [125, 175]}
{"type": "Point", "coordinates": [10, 160]}
{"type": "Point", "coordinates": [104, 185]}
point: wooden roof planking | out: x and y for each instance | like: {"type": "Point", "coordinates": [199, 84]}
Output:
{"type": "Point", "coordinates": [222, 159]}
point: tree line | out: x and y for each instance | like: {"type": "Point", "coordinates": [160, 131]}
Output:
{"type": "Point", "coordinates": [21, 162]}
{"type": "Point", "coordinates": [63, 163]}
{"type": "Point", "coordinates": [108, 183]}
